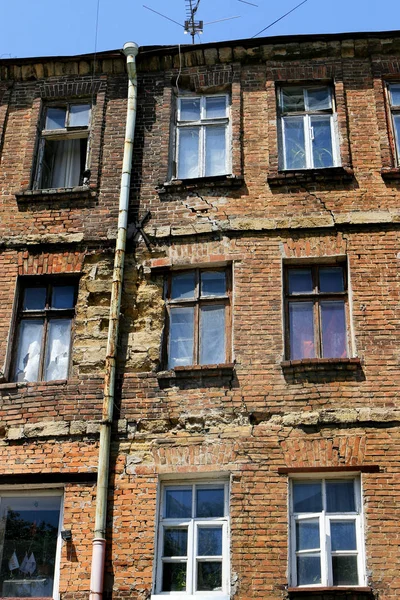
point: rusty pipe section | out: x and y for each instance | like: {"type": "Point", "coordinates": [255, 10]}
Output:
{"type": "Point", "coordinates": [130, 50]}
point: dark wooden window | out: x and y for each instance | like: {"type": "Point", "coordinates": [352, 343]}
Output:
{"type": "Point", "coordinates": [394, 101]}
{"type": "Point", "coordinates": [316, 311]}
{"type": "Point", "coordinates": [199, 317]}
{"type": "Point", "coordinates": [63, 151]}
{"type": "Point", "coordinates": [46, 310]}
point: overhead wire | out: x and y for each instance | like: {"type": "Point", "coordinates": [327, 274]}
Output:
{"type": "Point", "coordinates": [280, 19]}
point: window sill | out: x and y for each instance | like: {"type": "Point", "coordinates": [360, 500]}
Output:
{"type": "Point", "coordinates": [310, 175]}
{"type": "Point", "coordinates": [183, 596]}
{"type": "Point", "coordinates": [320, 590]}
{"type": "Point", "coordinates": [221, 370]}
{"type": "Point", "coordinates": [390, 173]}
{"type": "Point", "coordinates": [322, 364]}
{"type": "Point", "coordinates": [78, 192]}
{"type": "Point", "coordinates": [178, 185]}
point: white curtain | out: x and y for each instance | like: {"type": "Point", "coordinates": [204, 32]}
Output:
{"type": "Point", "coordinates": [67, 164]}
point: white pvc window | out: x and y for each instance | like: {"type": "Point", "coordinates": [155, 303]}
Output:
{"type": "Point", "coordinates": [192, 555]}
{"type": "Point", "coordinates": [63, 147]}
{"type": "Point", "coordinates": [308, 128]}
{"type": "Point", "coordinates": [30, 543]}
{"type": "Point", "coordinates": [202, 137]}
{"type": "Point", "coordinates": [326, 537]}
{"type": "Point", "coordinates": [394, 97]}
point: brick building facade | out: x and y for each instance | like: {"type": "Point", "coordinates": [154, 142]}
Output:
{"type": "Point", "coordinates": [257, 429]}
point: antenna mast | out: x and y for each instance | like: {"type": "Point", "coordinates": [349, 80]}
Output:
{"type": "Point", "coordinates": [192, 26]}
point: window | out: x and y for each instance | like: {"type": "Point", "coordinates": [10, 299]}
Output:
{"type": "Point", "coordinates": [193, 541]}
{"type": "Point", "coordinates": [308, 129]}
{"type": "Point", "coordinates": [63, 146]}
{"type": "Point", "coordinates": [316, 311]}
{"type": "Point", "coordinates": [326, 533]}
{"type": "Point", "coordinates": [198, 305]}
{"type": "Point", "coordinates": [394, 97]}
{"type": "Point", "coordinates": [202, 134]}
{"type": "Point", "coordinates": [45, 314]}
{"type": "Point", "coordinates": [29, 543]}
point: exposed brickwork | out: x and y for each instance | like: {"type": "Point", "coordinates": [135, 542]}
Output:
{"type": "Point", "coordinates": [261, 417]}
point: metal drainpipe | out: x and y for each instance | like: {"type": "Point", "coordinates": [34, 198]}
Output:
{"type": "Point", "coordinates": [130, 50]}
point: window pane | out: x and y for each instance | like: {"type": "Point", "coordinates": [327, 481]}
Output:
{"type": "Point", "coordinates": [319, 98]}
{"type": "Point", "coordinates": [175, 542]}
{"type": "Point", "coordinates": [212, 335]}
{"type": "Point", "coordinates": [301, 325]}
{"type": "Point", "coordinates": [395, 95]}
{"type": "Point", "coordinates": [30, 543]}
{"type": "Point", "coordinates": [182, 286]}
{"type": "Point", "coordinates": [216, 107]}
{"type": "Point", "coordinates": [188, 157]}
{"type": "Point", "coordinates": [333, 319]}
{"type": "Point", "coordinates": [55, 118]}
{"type": "Point", "coordinates": [292, 99]}
{"type": "Point", "coordinates": [209, 576]}
{"type": "Point", "coordinates": [294, 145]}
{"type": "Point", "coordinates": [63, 296]}
{"type": "Point", "coordinates": [308, 570]}
{"type": "Point", "coordinates": [213, 283]}
{"type": "Point", "coordinates": [344, 570]}
{"type": "Point", "coordinates": [174, 577]}
{"type": "Point", "coordinates": [62, 163]}
{"type": "Point", "coordinates": [331, 279]}
{"type": "Point", "coordinates": [322, 142]}
{"type": "Point", "coordinates": [396, 121]}
{"type": "Point", "coordinates": [79, 115]}
{"type": "Point", "coordinates": [190, 109]}
{"type": "Point", "coordinates": [210, 503]}
{"type": "Point", "coordinates": [343, 535]}
{"type": "Point", "coordinates": [209, 542]}
{"type": "Point", "coordinates": [178, 503]}
{"type": "Point", "coordinates": [215, 151]}
{"type": "Point", "coordinates": [307, 535]}
{"type": "Point", "coordinates": [34, 298]}
{"type": "Point", "coordinates": [340, 496]}
{"type": "Point", "coordinates": [307, 496]}
{"type": "Point", "coordinates": [181, 337]}
{"type": "Point", "coordinates": [300, 281]}
{"type": "Point", "coordinates": [29, 344]}
{"type": "Point", "coordinates": [58, 345]}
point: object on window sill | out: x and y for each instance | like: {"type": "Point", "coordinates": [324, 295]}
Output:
{"type": "Point", "coordinates": [177, 185]}
{"type": "Point", "coordinates": [390, 173]}
{"type": "Point", "coordinates": [77, 192]}
{"type": "Point", "coordinates": [220, 370]}
{"type": "Point", "coordinates": [322, 364]}
{"type": "Point", "coordinates": [307, 175]}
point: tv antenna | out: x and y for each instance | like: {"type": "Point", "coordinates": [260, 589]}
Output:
{"type": "Point", "coordinates": [191, 26]}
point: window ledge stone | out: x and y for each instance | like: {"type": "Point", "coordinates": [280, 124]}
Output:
{"type": "Point", "coordinates": [306, 175]}
{"type": "Point", "coordinates": [13, 385]}
{"type": "Point", "coordinates": [390, 173]}
{"type": "Point", "coordinates": [77, 192]}
{"type": "Point", "coordinates": [322, 364]}
{"type": "Point", "coordinates": [178, 185]}
{"type": "Point", "coordinates": [218, 370]}
{"type": "Point", "coordinates": [337, 590]}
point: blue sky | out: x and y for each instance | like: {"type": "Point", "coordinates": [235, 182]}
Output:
{"type": "Point", "coordinates": [51, 27]}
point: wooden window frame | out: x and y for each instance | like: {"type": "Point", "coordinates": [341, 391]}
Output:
{"type": "Point", "coordinates": [192, 524]}
{"type": "Point", "coordinates": [66, 133]}
{"type": "Point", "coordinates": [325, 519]}
{"type": "Point", "coordinates": [393, 110]}
{"type": "Point", "coordinates": [306, 115]}
{"type": "Point", "coordinates": [316, 297]}
{"type": "Point", "coordinates": [197, 301]}
{"type": "Point", "coordinates": [46, 314]}
{"type": "Point", "coordinates": [26, 491]}
{"type": "Point", "coordinates": [201, 124]}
